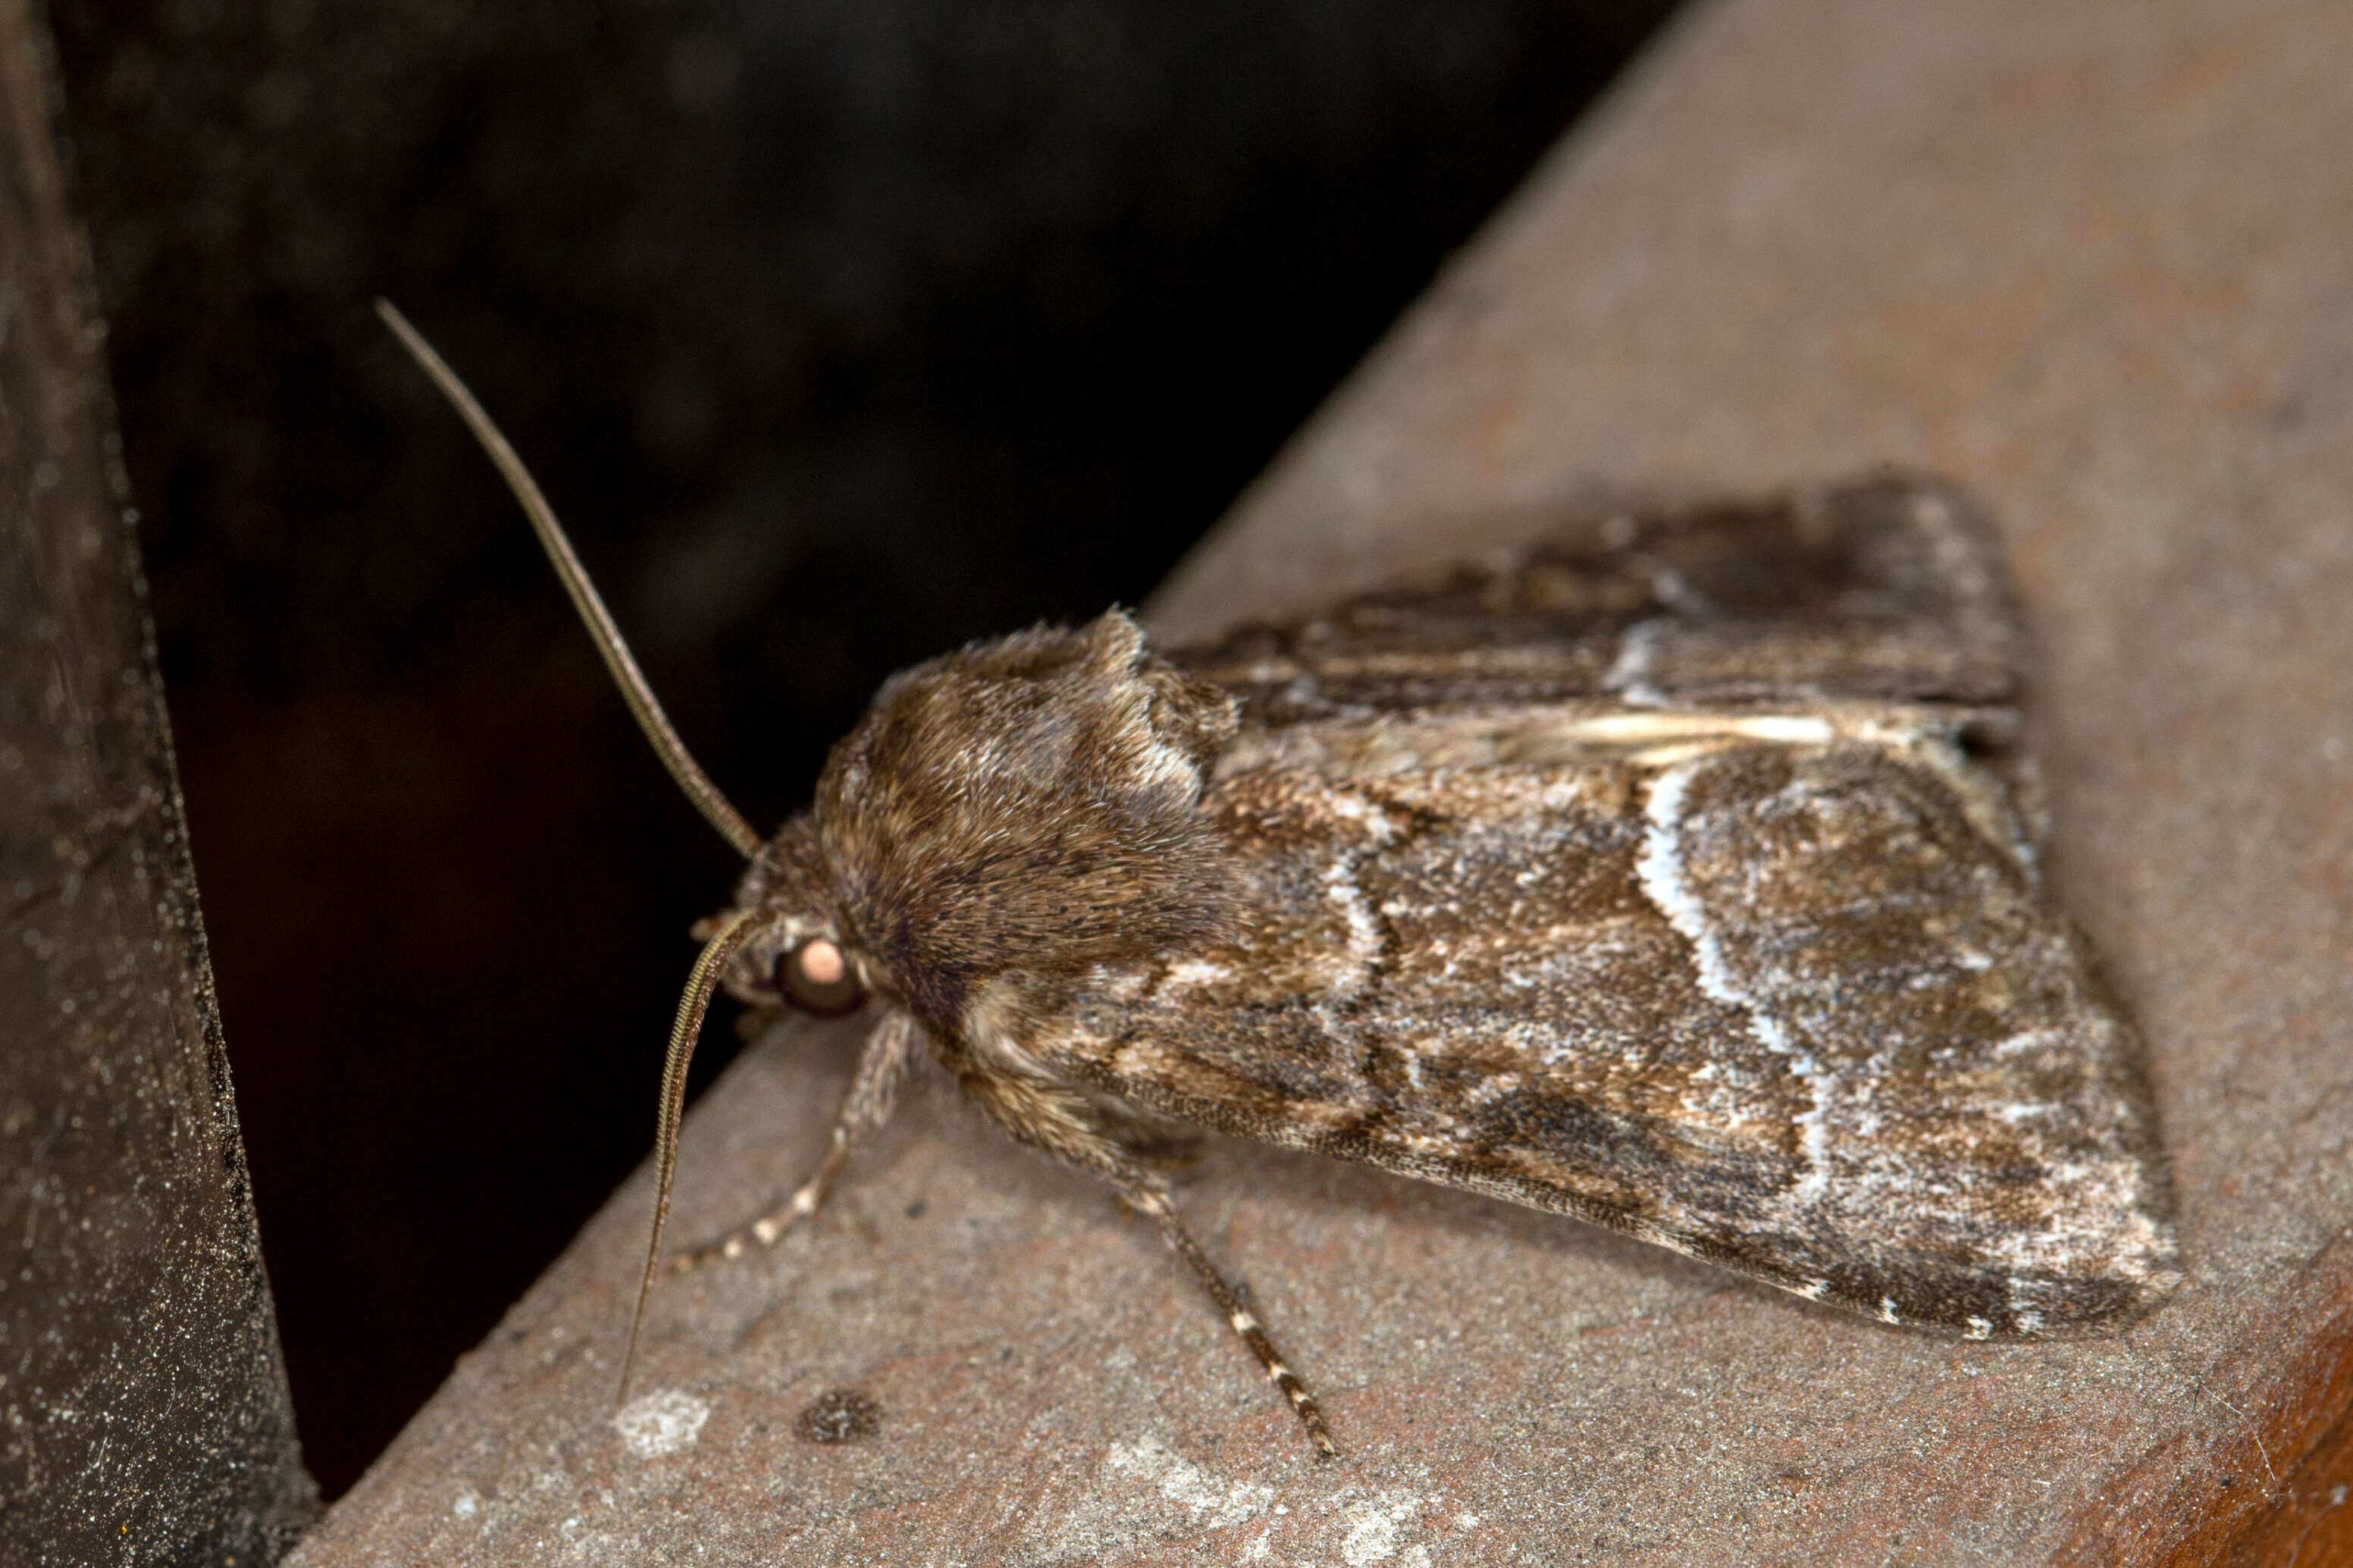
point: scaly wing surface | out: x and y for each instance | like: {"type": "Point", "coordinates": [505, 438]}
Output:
{"type": "Point", "coordinates": [1647, 877]}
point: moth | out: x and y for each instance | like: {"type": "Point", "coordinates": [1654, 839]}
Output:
{"type": "Point", "coordinates": [1678, 873]}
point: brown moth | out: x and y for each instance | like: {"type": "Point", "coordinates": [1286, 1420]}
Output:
{"type": "Point", "coordinates": [1678, 874]}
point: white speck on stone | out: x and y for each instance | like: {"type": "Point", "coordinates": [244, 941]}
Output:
{"type": "Point", "coordinates": [1211, 1500]}
{"type": "Point", "coordinates": [1374, 1525]}
{"type": "Point", "coordinates": [661, 1422]}
{"type": "Point", "coordinates": [468, 1505]}
{"type": "Point", "coordinates": [1145, 1493]}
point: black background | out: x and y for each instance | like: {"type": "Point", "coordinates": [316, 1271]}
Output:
{"type": "Point", "coordinates": [838, 333]}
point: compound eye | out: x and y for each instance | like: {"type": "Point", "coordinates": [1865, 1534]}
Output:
{"type": "Point", "coordinates": [815, 977]}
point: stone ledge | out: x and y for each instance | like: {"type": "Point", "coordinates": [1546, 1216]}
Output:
{"type": "Point", "coordinates": [2086, 260]}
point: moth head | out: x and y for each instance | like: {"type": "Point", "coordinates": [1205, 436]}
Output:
{"type": "Point", "coordinates": [800, 965]}
{"type": "Point", "coordinates": [800, 956]}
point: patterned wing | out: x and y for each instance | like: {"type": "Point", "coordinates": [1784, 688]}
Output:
{"type": "Point", "coordinates": [1644, 875]}
{"type": "Point", "coordinates": [1793, 1008]}
{"type": "Point", "coordinates": [1888, 590]}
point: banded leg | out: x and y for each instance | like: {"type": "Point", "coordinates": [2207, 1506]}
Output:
{"type": "Point", "coordinates": [1146, 1195]}
{"type": "Point", "coordinates": [873, 1092]}
{"type": "Point", "coordinates": [1079, 1130]}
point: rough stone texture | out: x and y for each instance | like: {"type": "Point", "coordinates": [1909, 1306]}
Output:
{"type": "Point", "coordinates": [143, 1409]}
{"type": "Point", "coordinates": [2086, 259]}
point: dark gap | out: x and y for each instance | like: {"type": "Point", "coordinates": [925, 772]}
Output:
{"type": "Point", "coordinates": [838, 336]}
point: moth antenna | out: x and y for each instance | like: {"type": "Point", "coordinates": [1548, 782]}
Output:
{"type": "Point", "coordinates": [691, 1006]}
{"type": "Point", "coordinates": [640, 696]}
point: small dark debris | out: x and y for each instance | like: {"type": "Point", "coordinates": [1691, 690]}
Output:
{"type": "Point", "coordinates": [916, 1209]}
{"type": "Point", "coordinates": [841, 1415]}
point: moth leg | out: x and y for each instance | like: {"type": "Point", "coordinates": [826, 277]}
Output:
{"type": "Point", "coordinates": [882, 1066]}
{"type": "Point", "coordinates": [1086, 1133]}
{"type": "Point", "coordinates": [1145, 1194]}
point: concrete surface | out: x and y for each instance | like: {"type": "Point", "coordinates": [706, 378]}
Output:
{"type": "Point", "coordinates": [144, 1410]}
{"type": "Point", "coordinates": [2089, 261]}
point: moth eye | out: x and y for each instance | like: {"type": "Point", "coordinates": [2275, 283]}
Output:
{"type": "Point", "coordinates": [815, 978]}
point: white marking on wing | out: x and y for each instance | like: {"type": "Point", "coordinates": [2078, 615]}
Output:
{"type": "Point", "coordinates": [1640, 729]}
{"type": "Point", "coordinates": [2030, 1040]}
{"type": "Point", "coordinates": [1191, 971]}
{"type": "Point", "coordinates": [1340, 885]}
{"type": "Point", "coordinates": [1364, 929]}
{"type": "Point", "coordinates": [1357, 808]}
{"type": "Point", "coordinates": [1661, 869]}
{"type": "Point", "coordinates": [1629, 674]}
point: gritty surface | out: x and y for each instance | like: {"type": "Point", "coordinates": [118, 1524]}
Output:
{"type": "Point", "coordinates": [143, 1411]}
{"type": "Point", "coordinates": [2085, 261]}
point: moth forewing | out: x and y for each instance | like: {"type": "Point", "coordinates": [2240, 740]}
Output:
{"type": "Point", "coordinates": [1668, 875]}
{"type": "Point", "coordinates": [1783, 1007]}
{"type": "Point", "coordinates": [1691, 897]}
